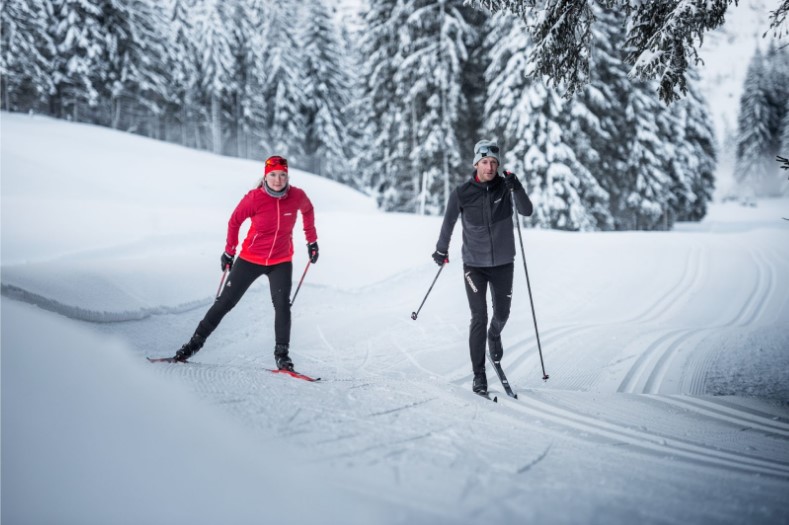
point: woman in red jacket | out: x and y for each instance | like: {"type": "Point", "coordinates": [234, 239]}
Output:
{"type": "Point", "coordinates": [267, 250]}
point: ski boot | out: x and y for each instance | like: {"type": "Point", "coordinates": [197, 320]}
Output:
{"type": "Point", "coordinates": [283, 360]}
{"type": "Point", "coordinates": [495, 348]}
{"type": "Point", "coordinates": [480, 385]}
{"type": "Point", "coordinates": [189, 349]}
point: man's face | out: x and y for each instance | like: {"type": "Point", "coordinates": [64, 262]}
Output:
{"type": "Point", "coordinates": [486, 168]}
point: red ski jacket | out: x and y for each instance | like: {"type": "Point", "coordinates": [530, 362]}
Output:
{"type": "Point", "coordinates": [270, 237]}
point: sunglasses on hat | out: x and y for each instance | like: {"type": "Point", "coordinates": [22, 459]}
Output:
{"type": "Point", "coordinates": [276, 161]}
{"type": "Point", "coordinates": [485, 150]}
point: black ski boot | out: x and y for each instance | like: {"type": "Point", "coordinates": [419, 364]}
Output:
{"type": "Point", "coordinates": [480, 385]}
{"type": "Point", "coordinates": [189, 349]}
{"type": "Point", "coordinates": [495, 347]}
{"type": "Point", "coordinates": [283, 360]}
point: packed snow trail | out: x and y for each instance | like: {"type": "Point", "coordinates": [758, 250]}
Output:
{"type": "Point", "coordinates": [667, 398]}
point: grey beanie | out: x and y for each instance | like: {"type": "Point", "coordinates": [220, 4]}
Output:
{"type": "Point", "coordinates": [486, 148]}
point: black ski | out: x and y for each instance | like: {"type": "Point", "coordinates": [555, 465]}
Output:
{"type": "Point", "coordinates": [487, 396]}
{"type": "Point", "coordinates": [164, 360]}
{"type": "Point", "coordinates": [502, 377]}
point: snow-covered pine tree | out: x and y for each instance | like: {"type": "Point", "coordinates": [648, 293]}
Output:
{"type": "Point", "coordinates": [326, 87]}
{"type": "Point", "coordinates": [134, 61]}
{"type": "Point", "coordinates": [77, 72]}
{"type": "Point", "coordinates": [777, 90]}
{"type": "Point", "coordinates": [755, 131]}
{"type": "Point", "coordinates": [531, 119]}
{"type": "Point", "coordinates": [785, 131]}
{"type": "Point", "coordinates": [214, 48]}
{"type": "Point", "coordinates": [597, 114]}
{"type": "Point", "coordinates": [381, 159]}
{"type": "Point", "coordinates": [429, 80]}
{"type": "Point", "coordinates": [690, 132]}
{"type": "Point", "coordinates": [182, 64]}
{"type": "Point", "coordinates": [646, 184]}
{"type": "Point", "coordinates": [625, 135]}
{"type": "Point", "coordinates": [353, 62]}
{"type": "Point", "coordinates": [27, 53]}
{"type": "Point", "coordinates": [282, 89]}
{"type": "Point", "coordinates": [248, 48]}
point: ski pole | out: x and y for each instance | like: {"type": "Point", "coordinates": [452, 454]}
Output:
{"type": "Point", "coordinates": [300, 281]}
{"type": "Point", "coordinates": [415, 314]}
{"type": "Point", "coordinates": [222, 282]}
{"type": "Point", "coordinates": [528, 285]}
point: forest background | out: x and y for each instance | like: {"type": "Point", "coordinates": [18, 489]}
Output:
{"type": "Point", "coordinates": [391, 101]}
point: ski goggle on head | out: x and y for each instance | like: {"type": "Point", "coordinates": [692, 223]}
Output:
{"type": "Point", "coordinates": [276, 163]}
{"type": "Point", "coordinates": [487, 150]}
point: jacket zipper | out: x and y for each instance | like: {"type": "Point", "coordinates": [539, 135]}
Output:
{"type": "Point", "coordinates": [489, 222]}
{"type": "Point", "coordinates": [276, 233]}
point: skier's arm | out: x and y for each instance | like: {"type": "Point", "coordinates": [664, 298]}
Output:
{"type": "Point", "coordinates": [242, 212]}
{"type": "Point", "coordinates": [308, 220]}
{"type": "Point", "coordinates": [522, 202]}
{"type": "Point", "coordinates": [450, 218]}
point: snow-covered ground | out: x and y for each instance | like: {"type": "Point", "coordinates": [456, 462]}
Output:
{"type": "Point", "coordinates": [668, 355]}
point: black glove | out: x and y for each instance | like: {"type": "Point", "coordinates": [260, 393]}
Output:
{"type": "Point", "coordinates": [510, 180]}
{"type": "Point", "coordinates": [312, 252]}
{"type": "Point", "coordinates": [227, 261]}
{"type": "Point", "coordinates": [440, 258]}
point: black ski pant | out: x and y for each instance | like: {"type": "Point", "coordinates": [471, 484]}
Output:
{"type": "Point", "coordinates": [241, 277]}
{"type": "Point", "coordinates": [477, 280]}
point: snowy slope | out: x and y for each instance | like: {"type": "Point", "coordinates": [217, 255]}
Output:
{"type": "Point", "coordinates": [668, 355]}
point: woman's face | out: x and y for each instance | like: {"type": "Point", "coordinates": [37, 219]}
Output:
{"type": "Point", "coordinates": [277, 180]}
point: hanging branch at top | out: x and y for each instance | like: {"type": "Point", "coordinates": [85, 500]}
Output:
{"type": "Point", "coordinates": [662, 37]}
{"type": "Point", "coordinates": [778, 20]}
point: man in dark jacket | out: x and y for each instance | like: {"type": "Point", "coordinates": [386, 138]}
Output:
{"type": "Point", "coordinates": [485, 204]}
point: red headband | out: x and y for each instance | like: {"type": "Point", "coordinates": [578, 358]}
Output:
{"type": "Point", "coordinates": [276, 163]}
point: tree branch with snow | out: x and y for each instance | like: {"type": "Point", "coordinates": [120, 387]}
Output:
{"type": "Point", "coordinates": [663, 37]}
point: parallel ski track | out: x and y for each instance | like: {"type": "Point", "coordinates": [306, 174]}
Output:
{"type": "Point", "coordinates": [654, 362]}
{"type": "Point", "coordinates": [649, 372]}
{"type": "Point", "coordinates": [652, 313]}
{"type": "Point", "coordinates": [739, 416]}
{"type": "Point", "coordinates": [656, 444]}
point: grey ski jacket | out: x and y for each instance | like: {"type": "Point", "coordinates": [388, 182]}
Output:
{"type": "Point", "coordinates": [486, 210]}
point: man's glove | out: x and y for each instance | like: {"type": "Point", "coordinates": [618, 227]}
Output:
{"type": "Point", "coordinates": [312, 252]}
{"type": "Point", "coordinates": [440, 258]}
{"type": "Point", "coordinates": [227, 261]}
{"type": "Point", "coordinates": [510, 180]}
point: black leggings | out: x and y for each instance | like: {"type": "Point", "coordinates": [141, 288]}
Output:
{"type": "Point", "coordinates": [241, 277]}
{"type": "Point", "coordinates": [477, 280]}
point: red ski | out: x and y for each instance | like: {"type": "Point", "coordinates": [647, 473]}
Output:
{"type": "Point", "coordinates": [293, 374]}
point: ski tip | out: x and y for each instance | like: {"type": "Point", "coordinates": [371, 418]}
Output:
{"type": "Point", "coordinates": [495, 399]}
{"type": "Point", "coordinates": [295, 374]}
{"type": "Point", "coordinates": [162, 360]}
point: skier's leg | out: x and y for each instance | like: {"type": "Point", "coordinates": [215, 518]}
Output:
{"type": "Point", "coordinates": [501, 298]}
{"type": "Point", "coordinates": [237, 283]}
{"type": "Point", "coordinates": [476, 290]}
{"type": "Point", "coordinates": [280, 281]}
